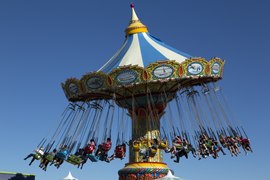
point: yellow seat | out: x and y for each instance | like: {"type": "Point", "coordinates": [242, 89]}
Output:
{"type": "Point", "coordinates": [72, 159]}
{"type": "Point", "coordinates": [163, 145]}
{"type": "Point", "coordinates": [136, 146]}
{"type": "Point", "coordinates": [152, 152]}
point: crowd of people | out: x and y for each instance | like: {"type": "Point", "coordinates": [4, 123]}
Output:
{"type": "Point", "coordinates": [205, 146]}
{"type": "Point", "coordinates": [208, 146]}
{"type": "Point", "coordinates": [90, 151]}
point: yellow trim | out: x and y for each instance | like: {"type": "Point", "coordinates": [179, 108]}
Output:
{"type": "Point", "coordinates": [147, 165]}
{"type": "Point", "coordinates": [135, 25]}
{"type": "Point", "coordinates": [136, 30]}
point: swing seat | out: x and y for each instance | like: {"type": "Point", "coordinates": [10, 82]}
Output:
{"type": "Point", "coordinates": [72, 159]}
{"type": "Point", "coordinates": [163, 145]}
{"type": "Point", "coordinates": [102, 157]}
{"type": "Point", "coordinates": [61, 155]}
{"type": "Point", "coordinates": [136, 146]}
{"type": "Point", "coordinates": [92, 158]}
{"type": "Point", "coordinates": [37, 156]}
{"type": "Point", "coordinates": [49, 158]}
{"type": "Point", "coordinates": [209, 144]}
{"type": "Point", "coordinates": [153, 152]}
{"type": "Point", "coordinates": [178, 146]}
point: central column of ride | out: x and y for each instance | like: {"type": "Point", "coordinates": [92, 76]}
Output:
{"type": "Point", "coordinates": [145, 152]}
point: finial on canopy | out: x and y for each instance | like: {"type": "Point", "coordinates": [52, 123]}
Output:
{"type": "Point", "coordinates": [135, 25]}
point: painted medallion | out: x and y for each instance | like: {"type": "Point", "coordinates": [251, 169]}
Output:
{"type": "Point", "coordinates": [195, 68]}
{"type": "Point", "coordinates": [94, 82]}
{"type": "Point", "coordinates": [163, 71]}
{"type": "Point", "coordinates": [215, 68]}
{"type": "Point", "coordinates": [73, 88]}
{"type": "Point", "coordinates": [126, 77]}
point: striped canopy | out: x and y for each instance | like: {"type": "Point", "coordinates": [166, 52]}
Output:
{"type": "Point", "coordinates": [141, 48]}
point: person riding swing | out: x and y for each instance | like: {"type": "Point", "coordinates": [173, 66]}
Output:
{"type": "Point", "coordinates": [152, 149]}
{"type": "Point", "coordinates": [119, 152]}
{"type": "Point", "coordinates": [60, 156]}
{"type": "Point", "coordinates": [102, 151]}
{"type": "Point", "coordinates": [47, 158]}
{"type": "Point", "coordinates": [90, 147]}
{"type": "Point", "coordinates": [35, 156]}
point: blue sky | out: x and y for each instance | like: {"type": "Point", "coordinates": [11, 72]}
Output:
{"type": "Point", "coordinates": [42, 43]}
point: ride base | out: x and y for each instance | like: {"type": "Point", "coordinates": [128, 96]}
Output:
{"type": "Point", "coordinates": [145, 131]}
{"type": "Point", "coordinates": [143, 171]}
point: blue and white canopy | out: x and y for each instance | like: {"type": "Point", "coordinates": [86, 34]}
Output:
{"type": "Point", "coordinates": [141, 48]}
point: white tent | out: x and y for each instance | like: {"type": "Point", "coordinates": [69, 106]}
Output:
{"type": "Point", "coordinates": [170, 176]}
{"type": "Point", "coordinates": [69, 177]}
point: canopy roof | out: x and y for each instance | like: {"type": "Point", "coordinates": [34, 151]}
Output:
{"type": "Point", "coordinates": [141, 48]}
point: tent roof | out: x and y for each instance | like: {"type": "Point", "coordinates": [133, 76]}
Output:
{"type": "Point", "coordinates": [141, 48]}
{"type": "Point", "coordinates": [169, 176]}
{"type": "Point", "coordinates": [69, 177]}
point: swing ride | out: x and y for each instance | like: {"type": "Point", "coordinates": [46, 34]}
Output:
{"type": "Point", "coordinates": [149, 99]}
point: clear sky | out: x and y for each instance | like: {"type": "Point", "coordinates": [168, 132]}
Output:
{"type": "Point", "coordinates": [42, 43]}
